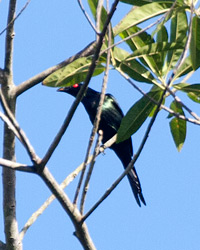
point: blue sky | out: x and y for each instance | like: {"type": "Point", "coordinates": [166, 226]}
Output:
{"type": "Point", "coordinates": [46, 35]}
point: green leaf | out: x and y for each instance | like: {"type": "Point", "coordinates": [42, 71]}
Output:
{"type": "Point", "coordinates": [137, 71]}
{"type": "Point", "coordinates": [74, 72]}
{"type": "Point", "coordinates": [179, 27]}
{"type": "Point", "coordinates": [189, 87]}
{"type": "Point", "coordinates": [156, 48]}
{"type": "Point", "coordinates": [178, 126]}
{"type": "Point", "coordinates": [138, 42]}
{"type": "Point", "coordinates": [120, 54]}
{"type": "Point", "coordinates": [194, 97]}
{"type": "Point", "coordinates": [135, 2]}
{"type": "Point", "coordinates": [192, 90]}
{"type": "Point", "coordinates": [140, 14]}
{"type": "Point", "coordinates": [195, 43]}
{"type": "Point", "coordinates": [162, 36]}
{"type": "Point", "coordinates": [136, 115]}
{"type": "Point", "coordinates": [142, 2]}
{"type": "Point", "coordinates": [133, 68]}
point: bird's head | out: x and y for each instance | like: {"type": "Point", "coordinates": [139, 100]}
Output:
{"type": "Point", "coordinates": [72, 90]}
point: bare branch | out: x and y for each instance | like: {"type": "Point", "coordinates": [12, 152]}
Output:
{"type": "Point", "coordinates": [9, 38]}
{"type": "Point", "coordinates": [14, 19]}
{"type": "Point", "coordinates": [89, 174]}
{"type": "Point", "coordinates": [2, 246]}
{"type": "Point", "coordinates": [2, 76]}
{"type": "Point", "coordinates": [81, 229]}
{"type": "Point", "coordinates": [9, 178]}
{"type": "Point", "coordinates": [184, 106]}
{"type": "Point", "coordinates": [16, 166]}
{"type": "Point", "coordinates": [9, 124]}
{"type": "Point", "coordinates": [87, 16]}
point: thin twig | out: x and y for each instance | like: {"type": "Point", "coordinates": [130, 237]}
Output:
{"type": "Point", "coordinates": [89, 174]}
{"type": "Point", "coordinates": [192, 113]}
{"type": "Point", "coordinates": [14, 19]}
{"type": "Point", "coordinates": [87, 16]}
{"type": "Point", "coordinates": [9, 124]}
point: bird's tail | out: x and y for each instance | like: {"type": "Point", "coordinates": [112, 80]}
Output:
{"type": "Point", "coordinates": [136, 187]}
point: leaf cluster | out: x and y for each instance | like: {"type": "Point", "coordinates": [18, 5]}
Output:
{"type": "Point", "coordinates": [153, 57]}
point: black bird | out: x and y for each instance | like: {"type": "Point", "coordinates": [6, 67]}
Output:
{"type": "Point", "coordinates": [110, 121]}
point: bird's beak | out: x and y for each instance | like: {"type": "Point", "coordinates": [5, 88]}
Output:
{"type": "Point", "coordinates": [60, 89]}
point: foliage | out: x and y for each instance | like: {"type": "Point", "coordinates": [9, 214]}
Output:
{"type": "Point", "coordinates": [153, 57]}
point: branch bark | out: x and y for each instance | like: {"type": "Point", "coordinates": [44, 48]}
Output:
{"type": "Point", "coordinates": [81, 229]}
{"type": "Point", "coordinates": [9, 179]}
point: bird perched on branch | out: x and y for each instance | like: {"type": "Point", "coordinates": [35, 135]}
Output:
{"type": "Point", "coordinates": [110, 122]}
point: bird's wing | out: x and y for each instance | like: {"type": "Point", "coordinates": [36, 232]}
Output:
{"type": "Point", "coordinates": [111, 113]}
{"type": "Point", "coordinates": [115, 104]}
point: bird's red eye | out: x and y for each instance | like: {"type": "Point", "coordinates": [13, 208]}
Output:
{"type": "Point", "coordinates": [75, 85]}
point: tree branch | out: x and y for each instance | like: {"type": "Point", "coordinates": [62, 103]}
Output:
{"type": "Point", "coordinates": [9, 178]}
{"type": "Point", "coordinates": [87, 16]}
{"type": "Point", "coordinates": [9, 38]}
{"type": "Point", "coordinates": [81, 229]}
{"type": "Point", "coordinates": [2, 76]}
{"type": "Point", "coordinates": [16, 166]}
{"type": "Point", "coordinates": [2, 246]}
